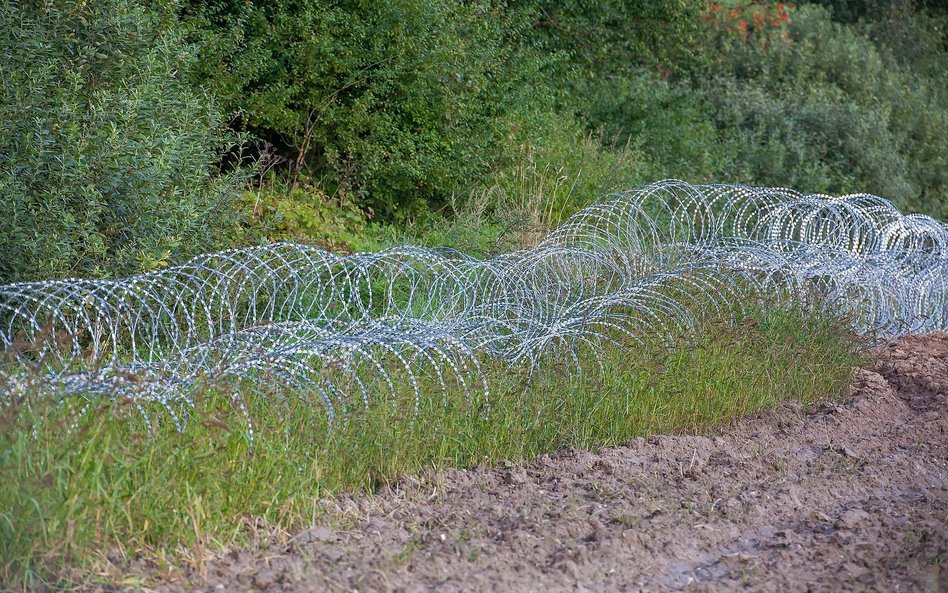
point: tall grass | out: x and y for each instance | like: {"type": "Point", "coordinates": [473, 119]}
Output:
{"type": "Point", "coordinates": [80, 490]}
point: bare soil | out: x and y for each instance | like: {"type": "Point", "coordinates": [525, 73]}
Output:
{"type": "Point", "coordinates": [850, 495]}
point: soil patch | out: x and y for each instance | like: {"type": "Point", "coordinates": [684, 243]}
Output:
{"type": "Point", "coordinates": [846, 496]}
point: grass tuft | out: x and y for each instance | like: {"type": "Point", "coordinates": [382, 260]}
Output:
{"type": "Point", "coordinates": [79, 490]}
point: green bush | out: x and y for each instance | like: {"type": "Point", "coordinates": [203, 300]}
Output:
{"type": "Point", "coordinates": [109, 155]}
{"type": "Point", "coordinates": [397, 103]}
{"type": "Point", "coordinates": [527, 109]}
{"type": "Point", "coordinates": [777, 96]}
{"type": "Point", "coordinates": [554, 167]}
{"type": "Point", "coordinates": [277, 211]}
{"type": "Point", "coordinates": [667, 122]}
{"type": "Point", "coordinates": [607, 39]}
{"type": "Point", "coordinates": [831, 111]}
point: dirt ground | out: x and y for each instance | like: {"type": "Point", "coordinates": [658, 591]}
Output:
{"type": "Point", "coordinates": [849, 496]}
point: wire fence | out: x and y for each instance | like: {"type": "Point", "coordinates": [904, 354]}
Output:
{"type": "Point", "coordinates": [289, 320]}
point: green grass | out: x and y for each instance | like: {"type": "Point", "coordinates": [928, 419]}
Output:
{"type": "Point", "coordinates": [104, 491]}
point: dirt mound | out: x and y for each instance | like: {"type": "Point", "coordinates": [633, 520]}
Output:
{"type": "Point", "coordinates": [848, 496]}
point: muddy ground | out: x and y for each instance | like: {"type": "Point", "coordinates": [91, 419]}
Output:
{"type": "Point", "coordinates": [847, 496]}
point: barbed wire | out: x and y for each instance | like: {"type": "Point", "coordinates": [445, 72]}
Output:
{"type": "Point", "coordinates": [288, 320]}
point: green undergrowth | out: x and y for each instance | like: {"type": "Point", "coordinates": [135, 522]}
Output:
{"type": "Point", "coordinates": [79, 492]}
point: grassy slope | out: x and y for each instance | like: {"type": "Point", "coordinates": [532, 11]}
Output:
{"type": "Point", "coordinates": [69, 497]}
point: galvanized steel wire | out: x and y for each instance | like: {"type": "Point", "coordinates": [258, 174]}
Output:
{"type": "Point", "coordinates": [288, 320]}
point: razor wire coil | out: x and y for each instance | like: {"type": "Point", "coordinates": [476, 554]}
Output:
{"type": "Point", "coordinates": [303, 322]}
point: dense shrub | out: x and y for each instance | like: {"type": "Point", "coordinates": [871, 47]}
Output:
{"type": "Point", "coordinates": [606, 39]}
{"type": "Point", "coordinates": [398, 103]}
{"type": "Point", "coordinates": [830, 111]}
{"type": "Point", "coordinates": [108, 155]}
{"type": "Point", "coordinates": [667, 121]}
{"type": "Point", "coordinates": [548, 176]}
{"type": "Point", "coordinates": [387, 111]}
{"type": "Point", "coordinates": [405, 105]}
{"type": "Point", "coordinates": [790, 97]}
{"type": "Point", "coordinates": [276, 211]}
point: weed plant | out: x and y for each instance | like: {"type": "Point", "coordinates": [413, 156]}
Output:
{"type": "Point", "coordinates": [86, 489]}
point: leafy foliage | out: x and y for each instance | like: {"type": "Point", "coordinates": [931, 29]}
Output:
{"type": "Point", "coordinates": [108, 153]}
{"type": "Point", "coordinates": [790, 97]}
{"type": "Point", "coordinates": [278, 212]}
{"type": "Point", "coordinates": [399, 103]}
{"type": "Point", "coordinates": [550, 176]}
{"type": "Point", "coordinates": [831, 111]}
{"type": "Point", "coordinates": [608, 38]}
{"type": "Point", "coordinates": [666, 120]}
{"type": "Point", "coordinates": [390, 111]}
